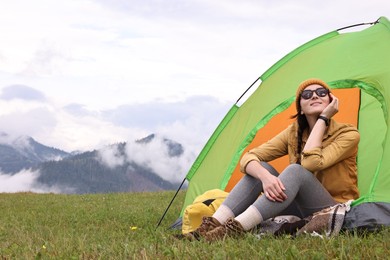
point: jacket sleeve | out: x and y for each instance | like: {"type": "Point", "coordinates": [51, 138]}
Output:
{"type": "Point", "coordinates": [272, 149]}
{"type": "Point", "coordinates": [344, 146]}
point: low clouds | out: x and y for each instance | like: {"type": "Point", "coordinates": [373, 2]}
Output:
{"type": "Point", "coordinates": [111, 156]}
{"type": "Point", "coordinates": [24, 181]}
{"type": "Point", "coordinates": [153, 155]}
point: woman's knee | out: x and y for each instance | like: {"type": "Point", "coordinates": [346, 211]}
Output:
{"type": "Point", "coordinates": [296, 171]}
{"type": "Point", "coordinates": [293, 168]}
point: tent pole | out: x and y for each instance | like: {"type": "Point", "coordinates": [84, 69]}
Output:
{"type": "Point", "coordinates": [178, 189]}
{"type": "Point", "coordinates": [247, 89]}
{"type": "Point", "coordinates": [360, 24]}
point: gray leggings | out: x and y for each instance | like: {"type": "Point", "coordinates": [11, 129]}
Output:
{"type": "Point", "coordinates": [305, 194]}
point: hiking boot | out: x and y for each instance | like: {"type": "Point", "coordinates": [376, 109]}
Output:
{"type": "Point", "coordinates": [208, 224]}
{"type": "Point", "coordinates": [232, 228]}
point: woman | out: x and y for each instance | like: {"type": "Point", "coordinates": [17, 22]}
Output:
{"type": "Point", "coordinates": [322, 170]}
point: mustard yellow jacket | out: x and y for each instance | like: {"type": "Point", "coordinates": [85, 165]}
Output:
{"type": "Point", "coordinates": [334, 164]}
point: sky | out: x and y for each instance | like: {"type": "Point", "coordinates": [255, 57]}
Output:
{"type": "Point", "coordinates": [81, 74]}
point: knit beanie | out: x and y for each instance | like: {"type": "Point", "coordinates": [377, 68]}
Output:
{"type": "Point", "coordinates": [305, 84]}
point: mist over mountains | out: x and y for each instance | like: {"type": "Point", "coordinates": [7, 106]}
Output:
{"type": "Point", "coordinates": [149, 164]}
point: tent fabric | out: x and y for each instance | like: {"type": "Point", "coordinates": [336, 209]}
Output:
{"type": "Point", "coordinates": [361, 216]}
{"type": "Point", "coordinates": [356, 65]}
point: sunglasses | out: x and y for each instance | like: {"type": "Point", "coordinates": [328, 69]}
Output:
{"type": "Point", "coordinates": [321, 92]}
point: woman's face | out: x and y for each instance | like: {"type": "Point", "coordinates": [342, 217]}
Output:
{"type": "Point", "coordinates": [315, 102]}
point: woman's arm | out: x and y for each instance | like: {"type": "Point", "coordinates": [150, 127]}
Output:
{"type": "Point", "coordinates": [272, 186]}
{"type": "Point", "coordinates": [250, 164]}
{"type": "Point", "coordinates": [342, 147]}
{"type": "Point", "coordinates": [315, 138]}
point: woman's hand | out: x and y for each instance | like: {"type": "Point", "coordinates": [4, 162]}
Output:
{"type": "Point", "coordinates": [332, 108]}
{"type": "Point", "coordinates": [273, 188]}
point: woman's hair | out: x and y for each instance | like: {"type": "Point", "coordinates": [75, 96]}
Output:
{"type": "Point", "coordinates": [302, 125]}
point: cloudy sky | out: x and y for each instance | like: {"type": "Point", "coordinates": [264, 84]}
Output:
{"type": "Point", "coordinates": [79, 74]}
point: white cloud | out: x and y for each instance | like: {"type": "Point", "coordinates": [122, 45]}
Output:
{"type": "Point", "coordinates": [24, 181]}
{"type": "Point", "coordinates": [21, 92]}
{"type": "Point", "coordinates": [111, 156]}
{"type": "Point", "coordinates": [153, 155]}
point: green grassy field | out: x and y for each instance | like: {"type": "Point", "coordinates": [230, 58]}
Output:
{"type": "Point", "coordinates": [123, 226]}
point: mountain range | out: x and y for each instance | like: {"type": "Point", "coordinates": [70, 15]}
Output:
{"type": "Point", "coordinates": [84, 172]}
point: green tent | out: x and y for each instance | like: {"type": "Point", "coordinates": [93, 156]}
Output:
{"type": "Point", "coordinates": [357, 67]}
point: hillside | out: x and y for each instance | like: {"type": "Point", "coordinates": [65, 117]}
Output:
{"type": "Point", "coordinates": [85, 173]}
{"type": "Point", "coordinates": [24, 152]}
{"type": "Point", "coordinates": [90, 171]}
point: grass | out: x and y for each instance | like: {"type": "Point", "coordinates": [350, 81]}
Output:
{"type": "Point", "coordinates": [123, 226]}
